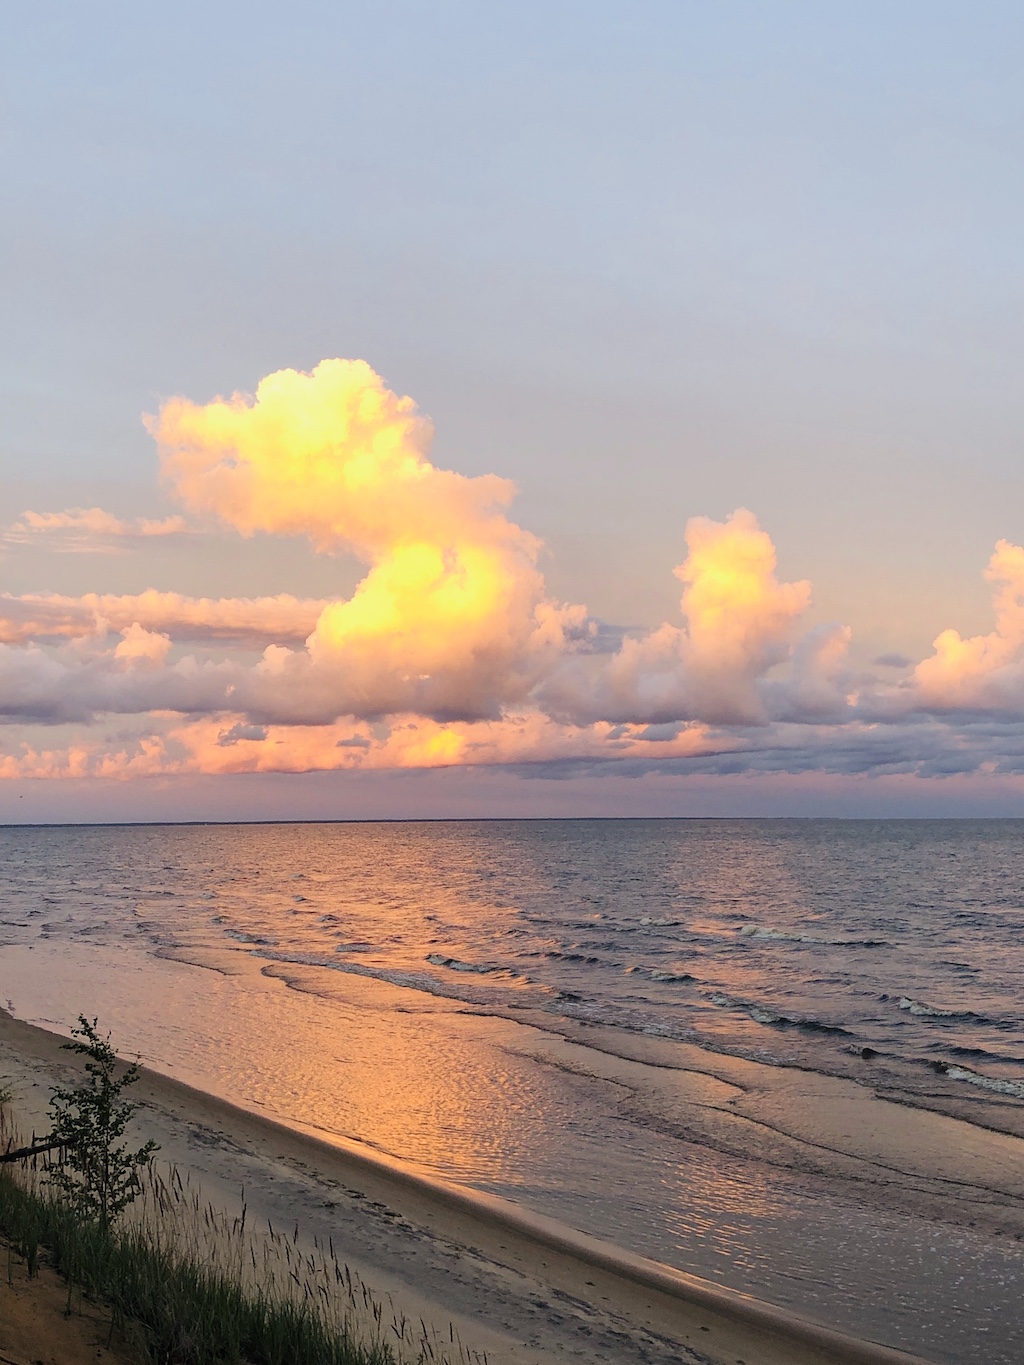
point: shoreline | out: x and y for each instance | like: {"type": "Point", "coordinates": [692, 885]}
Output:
{"type": "Point", "coordinates": [505, 1246]}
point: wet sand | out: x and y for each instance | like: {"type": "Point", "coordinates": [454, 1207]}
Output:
{"type": "Point", "coordinates": [514, 1285]}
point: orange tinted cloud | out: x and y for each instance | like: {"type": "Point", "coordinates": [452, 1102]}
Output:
{"type": "Point", "coordinates": [253, 620]}
{"type": "Point", "coordinates": [739, 617]}
{"type": "Point", "coordinates": [85, 529]}
{"type": "Point", "coordinates": [452, 617]}
{"type": "Point", "coordinates": [449, 651]}
{"type": "Point", "coordinates": [740, 622]}
{"type": "Point", "coordinates": [983, 670]}
{"type": "Point", "coordinates": [230, 744]}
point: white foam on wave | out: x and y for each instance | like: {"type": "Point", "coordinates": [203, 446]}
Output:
{"type": "Point", "coordinates": [763, 1016]}
{"type": "Point", "coordinates": [409, 980]}
{"type": "Point", "coordinates": [783, 936]}
{"type": "Point", "coordinates": [998, 1087]}
{"type": "Point", "coordinates": [918, 1007]}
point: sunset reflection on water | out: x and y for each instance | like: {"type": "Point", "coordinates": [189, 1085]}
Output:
{"type": "Point", "coordinates": [509, 1006]}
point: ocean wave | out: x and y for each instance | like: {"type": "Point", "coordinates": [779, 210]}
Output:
{"type": "Point", "coordinates": [983, 1054]}
{"type": "Point", "coordinates": [782, 935]}
{"type": "Point", "coordinates": [483, 998]}
{"type": "Point", "coordinates": [454, 964]}
{"type": "Point", "coordinates": [410, 980]}
{"type": "Point", "coordinates": [555, 920]}
{"type": "Point", "coordinates": [764, 1014]}
{"type": "Point", "coordinates": [659, 974]}
{"type": "Point", "coordinates": [241, 937]}
{"type": "Point", "coordinates": [918, 1007]}
{"type": "Point", "coordinates": [588, 959]}
{"type": "Point", "coordinates": [991, 1083]}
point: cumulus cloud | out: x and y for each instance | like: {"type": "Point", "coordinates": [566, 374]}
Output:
{"type": "Point", "coordinates": [452, 618]}
{"type": "Point", "coordinates": [451, 651]}
{"type": "Point", "coordinates": [131, 678]}
{"type": "Point", "coordinates": [740, 622]}
{"type": "Point", "coordinates": [140, 646]}
{"type": "Point", "coordinates": [985, 671]}
{"type": "Point", "coordinates": [232, 744]}
{"type": "Point", "coordinates": [227, 744]}
{"type": "Point", "coordinates": [818, 685]}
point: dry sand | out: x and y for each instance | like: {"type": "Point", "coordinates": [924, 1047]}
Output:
{"type": "Point", "coordinates": [511, 1284]}
{"type": "Point", "coordinates": [35, 1331]}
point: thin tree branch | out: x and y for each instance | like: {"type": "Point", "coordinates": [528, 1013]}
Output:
{"type": "Point", "coordinates": [21, 1153]}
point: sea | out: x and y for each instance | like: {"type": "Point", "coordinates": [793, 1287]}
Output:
{"type": "Point", "coordinates": [516, 1005]}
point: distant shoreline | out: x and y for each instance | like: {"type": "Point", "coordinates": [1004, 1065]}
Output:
{"type": "Point", "coordinates": [531, 820]}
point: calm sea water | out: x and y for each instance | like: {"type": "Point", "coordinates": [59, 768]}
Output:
{"type": "Point", "coordinates": [825, 945]}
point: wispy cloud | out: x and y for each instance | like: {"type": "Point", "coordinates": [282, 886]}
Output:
{"type": "Point", "coordinates": [254, 621]}
{"type": "Point", "coordinates": [90, 530]}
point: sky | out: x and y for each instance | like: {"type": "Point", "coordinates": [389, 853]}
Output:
{"type": "Point", "coordinates": [458, 408]}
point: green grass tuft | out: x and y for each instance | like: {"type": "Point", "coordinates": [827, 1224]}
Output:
{"type": "Point", "coordinates": [185, 1283]}
{"type": "Point", "coordinates": [176, 1310]}
{"type": "Point", "coordinates": [188, 1285]}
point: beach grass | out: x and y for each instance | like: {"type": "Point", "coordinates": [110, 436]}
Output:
{"type": "Point", "coordinates": [188, 1284]}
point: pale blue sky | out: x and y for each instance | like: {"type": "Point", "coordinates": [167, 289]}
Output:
{"type": "Point", "coordinates": [649, 260]}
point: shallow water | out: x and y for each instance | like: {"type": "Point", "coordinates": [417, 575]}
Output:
{"type": "Point", "coordinates": [376, 973]}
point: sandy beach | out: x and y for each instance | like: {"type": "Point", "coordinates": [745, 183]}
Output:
{"type": "Point", "coordinates": [517, 1287]}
